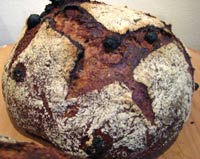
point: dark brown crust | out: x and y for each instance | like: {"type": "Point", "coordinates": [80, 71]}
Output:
{"type": "Point", "coordinates": [102, 68]}
{"type": "Point", "coordinates": [24, 42]}
{"type": "Point", "coordinates": [22, 150]}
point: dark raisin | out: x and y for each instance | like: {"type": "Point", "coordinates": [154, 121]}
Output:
{"type": "Point", "coordinates": [97, 148]}
{"type": "Point", "coordinates": [99, 145]}
{"type": "Point", "coordinates": [19, 73]}
{"type": "Point", "coordinates": [57, 2]}
{"type": "Point", "coordinates": [111, 43]}
{"type": "Point", "coordinates": [33, 20]}
{"type": "Point", "coordinates": [151, 37]}
{"type": "Point", "coordinates": [196, 86]}
{"type": "Point", "coordinates": [49, 8]}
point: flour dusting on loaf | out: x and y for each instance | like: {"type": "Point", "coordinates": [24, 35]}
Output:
{"type": "Point", "coordinates": [119, 19]}
{"type": "Point", "coordinates": [168, 67]}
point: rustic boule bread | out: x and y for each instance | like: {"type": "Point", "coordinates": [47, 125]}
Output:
{"type": "Point", "coordinates": [99, 81]}
{"type": "Point", "coordinates": [12, 149]}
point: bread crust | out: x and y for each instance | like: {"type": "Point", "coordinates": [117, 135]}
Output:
{"type": "Point", "coordinates": [12, 149]}
{"type": "Point", "coordinates": [126, 102]}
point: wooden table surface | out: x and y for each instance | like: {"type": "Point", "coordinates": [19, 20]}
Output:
{"type": "Point", "coordinates": [187, 145]}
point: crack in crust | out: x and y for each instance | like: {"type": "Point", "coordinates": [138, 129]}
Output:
{"type": "Point", "coordinates": [116, 66]}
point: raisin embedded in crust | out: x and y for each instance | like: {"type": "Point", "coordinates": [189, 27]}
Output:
{"type": "Point", "coordinates": [49, 8]}
{"type": "Point", "coordinates": [196, 86]}
{"type": "Point", "coordinates": [33, 20]}
{"type": "Point", "coordinates": [97, 148]}
{"type": "Point", "coordinates": [57, 2]}
{"type": "Point", "coordinates": [19, 72]}
{"type": "Point", "coordinates": [151, 37]}
{"type": "Point", "coordinates": [111, 43]}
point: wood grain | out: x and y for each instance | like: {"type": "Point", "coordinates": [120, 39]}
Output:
{"type": "Point", "coordinates": [187, 145]}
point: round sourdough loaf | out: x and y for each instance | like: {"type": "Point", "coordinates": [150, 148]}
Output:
{"type": "Point", "coordinates": [99, 81]}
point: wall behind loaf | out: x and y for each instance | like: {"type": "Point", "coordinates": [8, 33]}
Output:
{"type": "Point", "coordinates": [183, 14]}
